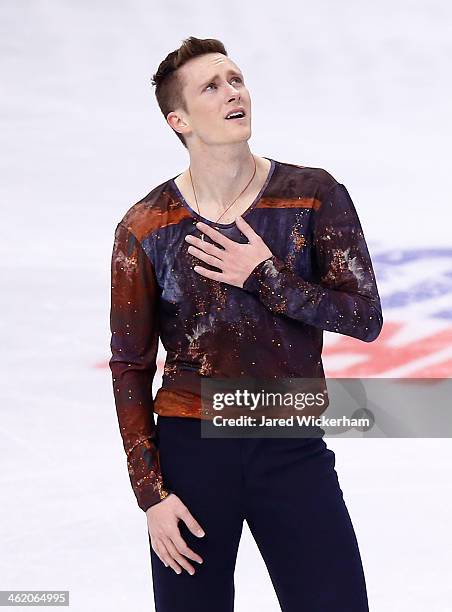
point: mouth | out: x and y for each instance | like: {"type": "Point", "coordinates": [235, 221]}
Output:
{"type": "Point", "coordinates": [238, 115]}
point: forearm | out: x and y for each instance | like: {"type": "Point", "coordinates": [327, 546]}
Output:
{"type": "Point", "coordinates": [287, 294]}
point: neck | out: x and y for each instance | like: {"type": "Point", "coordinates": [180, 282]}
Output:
{"type": "Point", "coordinates": [219, 175]}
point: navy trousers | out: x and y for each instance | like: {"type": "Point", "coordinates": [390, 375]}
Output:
{"type": "Point", "coordinates": [288, 492]}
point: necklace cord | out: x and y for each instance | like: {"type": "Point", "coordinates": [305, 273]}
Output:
{"type": "Point", "coordinates": [233, 202]}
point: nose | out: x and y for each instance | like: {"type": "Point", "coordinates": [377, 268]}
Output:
{"type": "Point", "coordinates": [235, 96]}
{"type": "Point", "coordinates": [233, 90]}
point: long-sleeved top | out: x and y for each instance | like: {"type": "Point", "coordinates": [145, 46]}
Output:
{"type": "Point", "coordinates": [320, 277]}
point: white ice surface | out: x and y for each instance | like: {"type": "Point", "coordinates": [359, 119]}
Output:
{"type": "Point", "coordinates": [359, 88]}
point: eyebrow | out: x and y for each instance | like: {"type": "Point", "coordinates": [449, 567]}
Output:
{"type": "Point", "coordinates": [230, 71]}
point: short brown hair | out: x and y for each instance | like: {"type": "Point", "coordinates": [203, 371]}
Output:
{"type": "Point", "coordinates": [169, 85]}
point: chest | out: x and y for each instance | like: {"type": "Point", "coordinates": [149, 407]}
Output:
{"type": "Point", "coordinates": [287, 233]}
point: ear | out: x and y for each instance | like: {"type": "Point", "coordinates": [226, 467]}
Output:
{"type": "Point", "coordinates": [176, 121]}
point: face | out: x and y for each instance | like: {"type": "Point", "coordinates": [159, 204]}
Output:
{"type": "Point", "coordinates": [213, 87]}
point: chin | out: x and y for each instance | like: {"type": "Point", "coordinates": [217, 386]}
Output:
{"type": "Point", "coordinates": [241, 136]}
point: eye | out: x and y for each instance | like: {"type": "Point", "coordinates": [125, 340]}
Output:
{"type": "Point", "coordinates": [233, 79]}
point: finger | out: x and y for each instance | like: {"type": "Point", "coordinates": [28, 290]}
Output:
{"type": "Point", "coordinates": [214, 234]}
{"type": "Point", "coordinates": [182, 547]}
{"type": "Point", "coordinates": [207, 247]}
{"type": "Point", "coordinates": [218, 276]}
{"type": "Point", "coordinates": [163, 554]}
{"type": "Point", "coordinates": [191, 522]}
{"type": "Point", "coordinates": [171, 562]}
{"type": "Point", "coordinates": [246, 229]}
{"type": "Point", "coordinates": [178, 557]}
{"type": "Point", "coordinates": [210, 259]}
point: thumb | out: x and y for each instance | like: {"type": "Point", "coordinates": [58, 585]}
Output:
{"type": "Point", "coordinates": [193, 525]}
{"type": "Point", "coordinates": [246, 228]}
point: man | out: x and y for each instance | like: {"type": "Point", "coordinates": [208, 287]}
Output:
{"type": "Point", "coordinates": [238, 264]}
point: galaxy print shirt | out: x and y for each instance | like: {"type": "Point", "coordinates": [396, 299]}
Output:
{"type": "Point", "coordinates": [320, 277]}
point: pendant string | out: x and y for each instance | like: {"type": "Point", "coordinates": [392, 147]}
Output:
{"type": "Point", "coordinates": [196, 199]}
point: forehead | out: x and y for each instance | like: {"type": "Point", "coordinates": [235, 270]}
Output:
{"type": "Point", "coordinates": [205, 66]}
